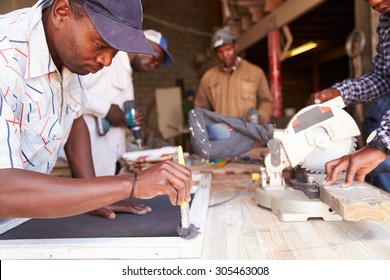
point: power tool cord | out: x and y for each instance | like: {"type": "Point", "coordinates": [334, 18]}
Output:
{"type": "Point", "coordinates": [233, 197]}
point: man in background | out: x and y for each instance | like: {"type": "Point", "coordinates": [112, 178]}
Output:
{"type": "Point", "coordinates": [106, 92]}
{"type": "Point", "coordinates": [234, 87]}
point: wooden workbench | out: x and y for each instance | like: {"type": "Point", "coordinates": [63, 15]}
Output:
{"type": "Point", "coordinates": [242, 230]}
{"type": "Point", "coordinates": [127, 237]}
{"type": "Point", "coordinates": [239, 229]}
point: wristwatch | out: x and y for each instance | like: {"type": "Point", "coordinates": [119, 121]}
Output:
{"type": "Point", "coordinates": [373, 141]}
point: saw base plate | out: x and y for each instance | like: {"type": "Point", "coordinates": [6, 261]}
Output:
{"type": "Point", "coordinates": [292, 205]}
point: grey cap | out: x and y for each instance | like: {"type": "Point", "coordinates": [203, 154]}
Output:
{"type": "Point", "coordinates": [222, 37]}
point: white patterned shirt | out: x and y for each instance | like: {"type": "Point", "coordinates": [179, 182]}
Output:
{"type": "Point", "coordinates": [37, 103]}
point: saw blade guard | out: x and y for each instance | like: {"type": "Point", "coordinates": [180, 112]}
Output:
{"type": "Point", "coordinates": [326, 127]}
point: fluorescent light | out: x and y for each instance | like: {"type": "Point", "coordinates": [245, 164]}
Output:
{"type": "Point", "coordinates": [301, 49]}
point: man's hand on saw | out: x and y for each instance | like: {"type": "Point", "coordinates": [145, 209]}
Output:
{"type": "Point", "coordinates": [357, 165]}
{"type": "Point", "coordinates": [324, 95]}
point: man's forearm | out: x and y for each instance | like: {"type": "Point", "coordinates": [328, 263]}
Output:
{"type": "Point", "coordinates": [366, 88]}
{"type": "Point", "coordinates": [30, 194]}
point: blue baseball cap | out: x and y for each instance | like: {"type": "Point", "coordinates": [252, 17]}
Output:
{"type": "Point", "coordinates": [119, 22]}
{"type": "Point", "coordinates": [159, 39]}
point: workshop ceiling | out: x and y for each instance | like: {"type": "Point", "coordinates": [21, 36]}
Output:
{"type": "Point", "coordinates": [329, 24]}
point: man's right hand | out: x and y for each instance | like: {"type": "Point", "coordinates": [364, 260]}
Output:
{"type": "Point", "coordinates": [357, 165]}
{"type": "Point", "coordinates": [139, 117]}
{"type": "Point", "coordinates": [324, 95]}
{"type": "Point", "coordinates": [165, 178]}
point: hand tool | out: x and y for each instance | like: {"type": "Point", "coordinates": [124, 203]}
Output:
{"type": "Point", "coordinates": [130, 111]}
{"type": "Point", "coordinates": [103, 126]}
{"type": "Point", "coordinates": [185, 230]}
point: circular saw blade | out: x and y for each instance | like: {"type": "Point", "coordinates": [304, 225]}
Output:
{"type": "Point", "coordinates": [315, 161]}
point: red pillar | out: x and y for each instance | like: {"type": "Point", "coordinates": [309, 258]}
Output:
{"type": "Point", "coordinates": [275, 72]}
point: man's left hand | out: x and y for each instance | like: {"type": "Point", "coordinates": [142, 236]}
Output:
{"type": "Point", "coordinates": [124, 206]}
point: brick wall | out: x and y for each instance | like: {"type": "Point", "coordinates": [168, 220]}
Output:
{"type": "Point", "coordinates": [183, 45]}
{"type": "Point", "coordinates": [10, 5]}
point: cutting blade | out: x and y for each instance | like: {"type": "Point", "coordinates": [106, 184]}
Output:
{"type": "Point", "coordinates": [315, 161]}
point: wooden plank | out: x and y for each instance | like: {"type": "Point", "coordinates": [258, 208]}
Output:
{"type": "Point", "coordinates": [119, 248]}
{"type": "Point", "coordinates": [229, 168]}
{"type": "Point", "coordinates": [359, 202]}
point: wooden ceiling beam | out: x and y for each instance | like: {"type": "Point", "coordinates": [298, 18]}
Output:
{"type": "Point", "coordinates": [284, 14]}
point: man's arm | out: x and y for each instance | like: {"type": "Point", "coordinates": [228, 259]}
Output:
{"type": "Point", "coordinates": [371, 85]}
{"type": "Point", "coordinates": [375, 83]}
{"type": "Point", "coordinates": [25, 194]}
{"type": "Point", "coordinates": [78, 150]}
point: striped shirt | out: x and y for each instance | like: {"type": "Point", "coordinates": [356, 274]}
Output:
{"type": "Point", "coordinates": [375, 83]}
{"type": "Point", "coordinates": [37, 103]}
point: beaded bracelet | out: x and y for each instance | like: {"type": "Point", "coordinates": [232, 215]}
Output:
{"type": "Point", "coordinates": [134, 182]}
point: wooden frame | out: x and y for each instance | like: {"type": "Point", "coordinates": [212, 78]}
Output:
{"type": "Point", "coordinates": [115, 248]}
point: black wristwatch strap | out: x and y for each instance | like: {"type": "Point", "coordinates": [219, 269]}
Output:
{"type": "Point", "coordinates": [376, 142]}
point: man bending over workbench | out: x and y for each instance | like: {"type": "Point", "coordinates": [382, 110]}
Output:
{"type": "Point", "coordinates": [43, 48]}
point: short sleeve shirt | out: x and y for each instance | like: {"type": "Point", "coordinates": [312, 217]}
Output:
{"type": "Point", "coordinates": [37, 103]}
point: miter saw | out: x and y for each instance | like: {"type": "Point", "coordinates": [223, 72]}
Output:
{"type": "Point", "coordinates": [315, 135]}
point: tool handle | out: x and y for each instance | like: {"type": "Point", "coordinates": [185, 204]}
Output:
{"type": "Point", "coordinates": [184, 209]}
{"type": "Point", "coordinates": [103, 126]}
{"type": "Point", "coordinates": [180, 155]}
{"type": "Point", "coordinates": [130, 108]}
{"type": "Point", "coordinates": [128, 105]}
{"type": "Point", "coordinates": [130, 118]}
